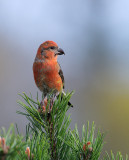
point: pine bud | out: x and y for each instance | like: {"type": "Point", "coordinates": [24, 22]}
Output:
{"type": "Point", "coordinates": [27, 151]}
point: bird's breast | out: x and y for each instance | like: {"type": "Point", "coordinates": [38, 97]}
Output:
{"type": "Point", "coordinates": [47, 73]}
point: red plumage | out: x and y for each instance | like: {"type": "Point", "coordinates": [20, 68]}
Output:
{"type": "Point", "coordinates": [48, 75]}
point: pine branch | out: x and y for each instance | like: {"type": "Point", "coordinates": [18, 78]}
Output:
{"type": "Point", "coordinates": [10, 143]}
{"type": "Point", "coordinates": [85, 147]}
{"type": "Point", "coordinates": [113, 157]}
{"type": "Point", "coordinates": [48, 135]}
{"type": "Point", "coordinates": [37, 147]}
{"type": "Point", "coordinates": [51, 120]}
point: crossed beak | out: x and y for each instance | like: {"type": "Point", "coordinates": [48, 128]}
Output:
{"type": "Point", "coordinates": [60, 51]}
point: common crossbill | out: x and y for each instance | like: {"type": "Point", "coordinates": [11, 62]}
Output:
{"type": "Point", "coordinates": [48, 74]}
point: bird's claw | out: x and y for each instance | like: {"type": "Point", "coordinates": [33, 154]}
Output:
{"type": "Point", "coordinates": [43, 106]}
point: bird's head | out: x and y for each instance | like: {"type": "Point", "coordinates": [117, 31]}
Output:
{"type": "Point", "coordinates": [49, 50]}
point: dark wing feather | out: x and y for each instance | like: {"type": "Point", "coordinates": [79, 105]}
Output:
{"type": "Point", "coordinates": [61, 75]}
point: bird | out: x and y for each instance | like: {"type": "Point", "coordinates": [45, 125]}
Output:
{"type": "Point", "coordinates": [47, 72]}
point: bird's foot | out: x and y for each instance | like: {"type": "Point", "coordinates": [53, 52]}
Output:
{"type": "Point", "coordinates": [44, 105]}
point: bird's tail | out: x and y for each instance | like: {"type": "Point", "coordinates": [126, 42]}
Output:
{"type": "Point", "coordinates": [69, 103]}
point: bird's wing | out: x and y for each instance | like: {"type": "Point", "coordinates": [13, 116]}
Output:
{"type": "Point", "coordinates": [61, 75]}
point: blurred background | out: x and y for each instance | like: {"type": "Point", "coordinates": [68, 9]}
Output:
{"type": "Point", "coordinates": [95, 37]}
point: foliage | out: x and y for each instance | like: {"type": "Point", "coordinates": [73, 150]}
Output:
{"type": "Point", "coordinates": [86, 147]}
{"type": "Point", "coordinates": [113, 157]}
{"type": "Point", "coordinates": [48, 134]}
{"type": "Point", "coordinates": [10, 143]}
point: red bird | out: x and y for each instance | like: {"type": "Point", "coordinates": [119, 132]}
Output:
{"type": "Point", "coordinates": [48, 75]}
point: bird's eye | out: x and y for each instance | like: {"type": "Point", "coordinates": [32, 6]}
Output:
{"type": "Point", "coordinates": [52, 47]}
